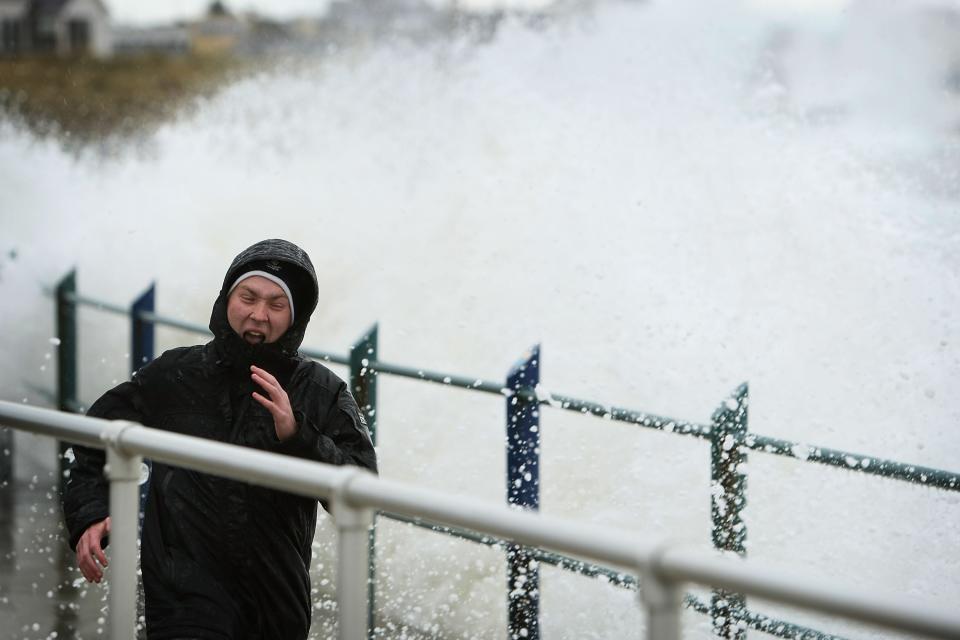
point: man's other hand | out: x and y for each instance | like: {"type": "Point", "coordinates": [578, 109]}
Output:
{"type": "Point", "coordinates": [90, 555]}
{"type": "Point", "coordinates": [278, 404]}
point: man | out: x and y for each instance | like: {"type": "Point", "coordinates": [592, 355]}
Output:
{"type": "Point", "coordinates": [222, 559]}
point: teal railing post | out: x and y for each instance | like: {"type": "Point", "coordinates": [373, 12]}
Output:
{"type": "Point", "coordinates": [728, 489]}
{"type": "Point", "coordinates": [66, 356]}
{"type": "Point", "coordinates": [363, 385]}
{"type": "Point", "coordinates": [523, 490]}
{"type": "Point", "coordinates": [6, 460]}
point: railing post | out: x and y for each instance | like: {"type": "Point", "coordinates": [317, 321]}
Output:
{"type": "Point", "coordinates": [6, 459]}
{"type": "Point", "coordinates": [66, 357]}
{"type": "Point", "coordinates": [662, 599]}
{"type": "Point", "coordinates": [363, 385]}
{"type": "Point", "coordinates": [727, 454]}
{"type": "Point", "coordinates": [363, 380]}
{"type": "Point", "coordinates": [142, 333]}
{"type": "Point", "coordinates": [523, 490]}
{"type": "Point", "coordinates": [123, 471]}
{"type": "Point", "coordinates": [353, 557]}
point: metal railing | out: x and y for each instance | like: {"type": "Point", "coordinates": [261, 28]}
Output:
{"type": "Point", "coordinates": [727, 433]}
{"type": "Point", "coordinates": [354, 494]}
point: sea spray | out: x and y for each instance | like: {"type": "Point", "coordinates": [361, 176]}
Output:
{"type": "Point", "coordinates": [645, 190]}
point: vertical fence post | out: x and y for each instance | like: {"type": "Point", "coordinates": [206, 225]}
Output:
{"type": "Point", "coordinates": [363, 379]}
{"type": "Point", "coordinates": [523, 490]}
{"type": "Point", "coordinates": [66, 357]}
{"type": "Point", "coordinates": [141, 331]}
{"type": "Point", "coordinates": [142, 343]}
{"type": "Point", "coordinates": [727, 454]}
{"type": "Point", "coordinates": [353, 556]}
{"type": "Point", "coordinates": [662, 599]}
{"type": "Point", "coordinates": [363, 385]}
{"type": "Point", "coordinates": [123, 471]}
{"type": "Point", "coordinates": [6, 461]}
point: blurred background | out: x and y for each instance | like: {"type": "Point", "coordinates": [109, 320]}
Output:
{"type": "Point", "coordinates": [671, 198]}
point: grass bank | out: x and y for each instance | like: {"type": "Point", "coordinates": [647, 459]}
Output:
{"type": "Point", "coordinates": [81, 100]}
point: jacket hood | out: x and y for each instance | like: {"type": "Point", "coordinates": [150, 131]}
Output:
{"type": "Point", "coordinates": [306, 293]}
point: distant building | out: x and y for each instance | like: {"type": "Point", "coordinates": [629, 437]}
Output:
{"type": "Point", "coordinates": [13, 15]}
{"type": "Point", "coordinates": [351, 22]}
{"type": "Point", "coordinates": [170, 40]}
{"type": "Point", "coordinates": [219, 32]}
{"type": "Point", "coordinates": [65, 27]}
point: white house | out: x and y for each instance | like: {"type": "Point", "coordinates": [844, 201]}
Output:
{"type": "Point", "coordinates": [64, 27]}
{"type": "Point", "coordinates": [13, 25]}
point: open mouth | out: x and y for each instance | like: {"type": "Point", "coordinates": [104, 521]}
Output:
{"type": "Point", "coordinates": [254, 337]}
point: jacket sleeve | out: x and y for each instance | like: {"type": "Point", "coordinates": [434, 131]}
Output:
{"type": "Point", "coordinates": [86, 495]}
{"type": "Point", "coordinates": [341, 437]}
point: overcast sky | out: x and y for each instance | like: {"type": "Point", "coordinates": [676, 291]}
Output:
{"type": "Point", "coordinates": [147, 11]}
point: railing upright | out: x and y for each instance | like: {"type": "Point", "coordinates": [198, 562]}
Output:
{"type": "Point", "coordinates": [662, 599]}
{"type": "Point", "coordinates": [142, 331]}
{"type": "Point", "coordinates": [363, 379]}
{"type": "Point", "coordinates": [354, 526]}
{"type": "Point", "coordinates": [6, 459]}
{"type": "Point", "coordinates": [523, 490]}
{"type": "Point", "coordinates": [728, 498]}
{"type": "Point", "coordinates": [363, 384]}
{"type": "Point", "coordinates": [123, 471]}
{"type": "Point", "coordinates": [66, 358]}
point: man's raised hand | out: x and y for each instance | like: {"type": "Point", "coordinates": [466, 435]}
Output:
{"type": "Point", "coordinates": [90, 555]}
{"type": "Point", "coordinates": [276, 402]}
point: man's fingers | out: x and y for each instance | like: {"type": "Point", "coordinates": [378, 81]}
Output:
{"type": "Point", "coordinates": [84, 568]}
{"type": "Point", "coordinates": [272, 387]}
{"type": "Point", "coordinates": [88, 566]}
{"type": "Point", "coordinates": [278, 403]}
{"type": "Point", "coordinates": [264, 375]}
{"type": "Point", "coordinates": [262, 372]}
{"type": "Point", "coordinates": [263, 382]}
{"type": "Point", "coordinates": [100, 556]}
{"type": "Point", "coordinates": [90, 570]}
{"type": "Point", "coordinates": [90, 551]}
{"type": "Point", "coordinates": [264, 401]}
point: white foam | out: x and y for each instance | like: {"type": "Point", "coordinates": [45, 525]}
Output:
{"type": "Point", "coordinates": [652, 192]}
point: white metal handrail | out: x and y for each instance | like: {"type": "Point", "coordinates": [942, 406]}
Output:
{"type": "Point", "coordinates": [355, 493]}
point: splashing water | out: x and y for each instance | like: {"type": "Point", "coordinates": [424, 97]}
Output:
{"type": "Point", "coordinates": [673, 197]}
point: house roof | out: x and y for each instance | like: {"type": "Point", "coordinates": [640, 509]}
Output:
{"type": "Point", "coordinates": [53, 7]}
{"type": "Point", "coordinates": [50, 7]}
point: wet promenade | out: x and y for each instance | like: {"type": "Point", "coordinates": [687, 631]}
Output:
{"type": "Point", "coordinates": [42, 594]}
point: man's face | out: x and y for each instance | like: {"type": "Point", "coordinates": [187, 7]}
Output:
{"type": "Point", "coordinates": [258, 310]}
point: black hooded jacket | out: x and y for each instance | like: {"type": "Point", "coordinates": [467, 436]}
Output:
{"type": "Point", "coordinates": [222, 559]}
